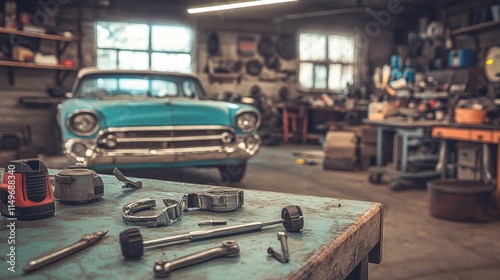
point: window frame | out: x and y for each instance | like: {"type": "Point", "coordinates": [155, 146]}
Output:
{"type": "Point", "coordinates": [149, 50]}
{"type": "Point", "coordinates": [327, 63]}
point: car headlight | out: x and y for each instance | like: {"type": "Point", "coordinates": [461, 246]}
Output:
{"type": "Point", "coordinates": [83, 122]}
{"type": "Point", "coordinates": [247, 121]}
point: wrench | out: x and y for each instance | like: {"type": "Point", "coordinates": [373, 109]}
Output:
{"type": "Point", "coordinates": [229, 248]}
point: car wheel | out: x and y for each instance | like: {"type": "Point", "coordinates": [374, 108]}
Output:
{"type": "Point", "coordinates": [269, 138]}
{"type": "Point", "coordinates": [233, 171]}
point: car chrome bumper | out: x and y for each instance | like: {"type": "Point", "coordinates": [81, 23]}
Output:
{"type": "Point", "coordinates": [244, 147]}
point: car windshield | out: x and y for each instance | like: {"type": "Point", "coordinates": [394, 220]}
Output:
{"type": "Point", "coordinates": [139, 85]}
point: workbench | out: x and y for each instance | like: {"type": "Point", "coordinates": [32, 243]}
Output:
{"type": "Point", "coordinates": [338, 240]}
{"type": "Point", "coordinates": [300, 117]}
{"type": "Point", "coordinates": [402, 169]}
{"type": "Point", "coordinates": [477, 133]}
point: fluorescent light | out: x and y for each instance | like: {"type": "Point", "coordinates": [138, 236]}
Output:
{"type": "Point", "coordinates": [239, 5]}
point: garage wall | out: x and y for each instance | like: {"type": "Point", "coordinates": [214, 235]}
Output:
{"type": "Point", "coordinates": [34, 83]}
{"type": "Point", "coordinates": [376, 52]}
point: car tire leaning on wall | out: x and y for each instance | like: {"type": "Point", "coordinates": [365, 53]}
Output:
{"type": "Point", "coordinates": [233, 171]}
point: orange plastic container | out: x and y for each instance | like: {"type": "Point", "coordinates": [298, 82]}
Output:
{"type": "Point", "coordinates": [470, 116]}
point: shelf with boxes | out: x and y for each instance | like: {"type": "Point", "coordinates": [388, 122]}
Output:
{"type": "Point", "coordinates": [22, 39]}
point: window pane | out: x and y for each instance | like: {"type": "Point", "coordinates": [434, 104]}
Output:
{"type": "Point", "coordinates": [171, 62]}
{"type": "Point", "coordinates": [106, 59]}
{"type": "Point", "coordinates": [320, 72]}
{"type": "Point", "coordinates": [133, 60]}
{"type": "Point", "coordinates": [334, 77]}
{"type": "Point", "coordinates": [341, 48]}
{"type": "Point", "coordinates": [162, 88]}
{"type": "Point", "coordinates": [312, 47]}
{"type": "Point", "coordinates": [133, 86]}
{"type": "Point", "coordinates": [171, 38]}
{"type": "Point", "coordinates": [117, 35]}
{"type": "Point", "coordinates": [306, 75]}
{"type": "Point", "coordinates": [347, 76]}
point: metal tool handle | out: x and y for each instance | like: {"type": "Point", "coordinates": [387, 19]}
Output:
{"type": "Point", "coordinates": [53, 257]}
{"type": "Point", "coordinates": [210, 233]}
{"type": "Point", "coordinates": [163, 267]}
{"type": "Point", "coordinates": [84, 242]}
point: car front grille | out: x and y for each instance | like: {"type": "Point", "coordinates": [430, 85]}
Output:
{"type": "Point", "coordinates": [171, 137]}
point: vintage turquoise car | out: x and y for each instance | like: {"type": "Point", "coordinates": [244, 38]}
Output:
{"type": "Point", "coordinates": [149, 119]}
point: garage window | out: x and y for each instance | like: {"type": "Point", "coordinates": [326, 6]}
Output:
{"type": "Point", "coordinates": [144, 46]}
{"type": "Point", "coordinates": [326, 61]}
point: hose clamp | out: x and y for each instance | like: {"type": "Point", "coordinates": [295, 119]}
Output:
{"type": "Point", "coordinates": [216, 200]}
{"type": "Point", "coordinates": [170, 214]}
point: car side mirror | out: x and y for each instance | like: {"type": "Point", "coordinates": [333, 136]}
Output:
{"type": "Point", "coordinates": [69, 95]}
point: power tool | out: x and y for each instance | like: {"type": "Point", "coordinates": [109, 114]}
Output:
{"type": "Point", "coordinates": [25, 192]}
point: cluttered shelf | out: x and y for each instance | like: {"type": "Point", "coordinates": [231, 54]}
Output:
{"type": "Point", "coordinates": [36, 66]}
{"type": "Point", "coordinates": [61, 38]}
{"type": "Point", "coordinates": [476, 27]}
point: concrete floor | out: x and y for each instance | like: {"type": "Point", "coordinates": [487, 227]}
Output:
{"type": "Point", "coordinates": [416, 245]}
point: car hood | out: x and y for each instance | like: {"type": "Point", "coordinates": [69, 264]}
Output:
{"type": "Point", "coordinates": [155, 112]}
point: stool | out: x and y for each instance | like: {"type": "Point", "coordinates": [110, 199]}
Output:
{"type": "Point", "coordinates": [295, 118]}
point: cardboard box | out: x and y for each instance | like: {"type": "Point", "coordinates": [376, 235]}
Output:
{"type": "Point", "coordinates": [469, 154]}
{"type": "Point", "coordinates": [369, 135]}
{"type": "Point", "coordinates": [341, 144]}
{"type": "Point", "coordinates": [368, 150]}
{"type": "Point", "coordinates": [10, 17]}
{"type": "Point", "coordinates": [468, 173]}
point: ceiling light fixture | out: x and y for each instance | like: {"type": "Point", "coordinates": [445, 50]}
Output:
{"type": "Point", "coordinates": [239, 5]}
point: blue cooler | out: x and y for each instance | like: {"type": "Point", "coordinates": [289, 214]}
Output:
{"type": "Point", "coordinates": [460, 58]}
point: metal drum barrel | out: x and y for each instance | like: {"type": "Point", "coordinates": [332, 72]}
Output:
{"type": "Point", "coordinates": [460, 200]}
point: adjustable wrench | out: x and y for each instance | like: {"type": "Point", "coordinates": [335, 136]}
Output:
{"type": "Point", "coordinates": [162, 268]}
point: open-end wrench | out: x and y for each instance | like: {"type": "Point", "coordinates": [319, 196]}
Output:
{"type": "Point", "coordinates": [162, 268]}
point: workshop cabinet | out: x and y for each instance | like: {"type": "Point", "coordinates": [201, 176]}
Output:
{"type": "Point", "coordinates": [450, 133]}
{"type": "Point", "coordinates": [481, 136]}
{"type": "Point", "coordinates": [496, 136]}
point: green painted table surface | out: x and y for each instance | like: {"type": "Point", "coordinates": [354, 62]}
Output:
{"type": "Point", "coordinates": [337, 236]}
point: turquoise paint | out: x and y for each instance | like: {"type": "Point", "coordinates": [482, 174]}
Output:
{"type": "Point", "coordinates": [152, 112]}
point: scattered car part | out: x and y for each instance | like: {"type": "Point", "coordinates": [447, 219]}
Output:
{"type": "Point", "coordinates": [78, 185]}
{"type": "Point", "coordinates": [266, 46]}
{"type": "Point", "coordinates": [128, 183]}
{"type": "Point", "coordinates": [213, 44]}
{"type": "Point", "coordinates": [253, 67]}
{"type": "Point", "coordinates": [282, 237]}
{"type": "Point", "coordinates": [212, 223]}
{"type": "Point", "coordinates": [286, 46]}
{"type": "Point", "coordinates": [170, 214]}
{"type": "Point", "coordinates": [132, 244]}
{"type": "Point", "coordinates": [216, 200]}
{"type": "Point", "coordinates": [229, 248]}
{"type": "Point", "coordinates": [246, 45]}
{"type": "Point", "coordinates": [272, 62]}
{"type": "Point", "coordinates": [33, 197]}
{"type": "Point", "coordinates": [86, 241]}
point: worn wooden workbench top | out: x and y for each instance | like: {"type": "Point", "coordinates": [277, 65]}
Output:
{"type": "Point", "coordinates": [338, 234]}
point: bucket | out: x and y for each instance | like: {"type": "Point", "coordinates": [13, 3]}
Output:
{"type": "Point", "coordinates": [460, 200]}
{"type": "Point", "coordinates": [469, 116]}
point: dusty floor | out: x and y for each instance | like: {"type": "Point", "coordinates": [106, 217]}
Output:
{"type": "Point", "coordinates": [416, 245]}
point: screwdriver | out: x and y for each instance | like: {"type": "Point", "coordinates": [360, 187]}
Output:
{"type": "Point", "coordinates": [86, 241]}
